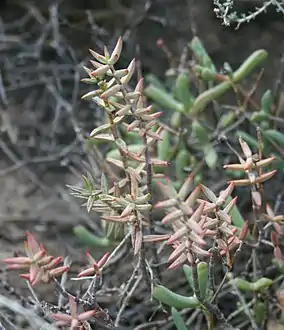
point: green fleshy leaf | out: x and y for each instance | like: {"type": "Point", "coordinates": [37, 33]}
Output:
{"type": "Point", "coordinates": [178, 320]}
{"type": "Point", "coordinates": [89, 239]}
{"type": "Point", "coordinates": [172, 299]}
{"type": "Point", "coordinates": [163, 98]}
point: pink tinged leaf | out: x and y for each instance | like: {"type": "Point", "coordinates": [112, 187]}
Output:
{"type": "Point", "coordinates": [197, 239]}
{"type": "Point", "coordinates": [153, 116]}
{"type": "Point", "coordinates": [97, 56]}
{"type": "Point", "coordinates": [178, 262]}
{"type": "Point", "coordinates": [172, 216]}
{"type": "Point", "coordinates": [241, 182]}
{"type": "Point", "coordinates": [87, 272]}
{"type": "Point", "coordinates": [228, 208]}
{"type": "Point", "coordinates": [25, 276]}
{"type": "Point", "coordinates": [37, 278]}
{"type": "Point", "coordinates": [210, 223]}
{"type": "Point", "coordinates": [152, 134]}
{"type": "Point", "coordinates": [225, 229]}
{"type": "Point", "coordinates": [132, 95]}
{"type": "Point", "coordinates": [208, 193]}
{"type": "Point", "coordinates": [34, 271]}
{"type": "Point", "coordinates": [186, 187]}
{"type": "Point", "coordinates": [59, 271]}
{"type": "Point", "coordinates": [277, 228]}
{"type": "Point", "coordinates": [225, 194]}
{"type": "Point", "coordinates": [143, 111]}
{"type": "Point", "coordinates": [86, 315]}
{"type": "Point", "coordinates": [266, 176]}
{"type": "Point", "coordinates": [111, 92]}
{"type": "Point", "coordinates": [32, 245]}
{"type": "Point", "coordinates": [110, 83]}
{"type": "Point", "coordinates": [120, 73]}
{"type": "Point", "coordinates": [167, 190]}
{"type": "Point", "coordinates": [224, 216]}
{"type": "Point", "coordinates": [127, 211]}
{"type": "Point", "coordinates": [61, 317]}
{"type": "Point", "coordinates": [178, 250]}
{"type": "Point", "coordinates": [100, 71]}
{"type": "Point", "coordinates": [140, 102]}
{"type": "Point", "coordinates": [265, 162]}
{"type": "Point", "coordinates": [210, 233]}
{"type": "Point", "coordinates": [245, 148]}
{"type": "Point", "coordinates": [209, 207]}
{"type": "Point", "coordinates": [45, 260]}
{"type": "Point", "coordinates": [74, 324]}
{"type": "Point", "coordinates": [195, 218]}
{"type": "Point", "coordinates": [234, 230]}
{"type": "Point", "coordinates": [91, 95]}
{"type": "Point", "coordinates": [39, 255]}
{"type": "Point", "coordinates": [18, 266]}
{"type": "Point", "coordinates": [90, 259]}
{"type": "Point", "coordinates": [116, 52]}
{"type": "Point", "coordinates": [200, 252]}
{"type": "Point", "coordinates": [274, 238]}
{"type": "Point", "coordinates": [133, 125]}
{"type": "Point", "coordinates": [244, 231]}
{"type": "Point", "coordinates": [139, 86]}
{"type": "Point", "coordinates": [96, 65]}
{"type": "Point", "coordinates": [21, 261]}
{"type": "Point", "coordinates": [103, 260]}
{"type": "Point", "coordinates": [53, 263]}
{"type": "Point", "coordinates": [186, 209]}
{"type": "Point", "coordinates": [88, 71]}
{"type": "Point", "coordinates": [72, 306]}
{"type": "Point", "coordinates": [155, 238]}
{"type": "Point", "coordinates": [130, 68]}
{"type": "Point", "coordinates": [124, 110]}
{"type": "Point", "coordinates": [190, 201]}
{"type": "Point", "coordinates": [234, 167]}
{"type": "Point", "coordinates": [178, 234]}
{"type": "Point", "coordinates": [278, 255]}
{"type": "Point", "coordinates": [99, 129]}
